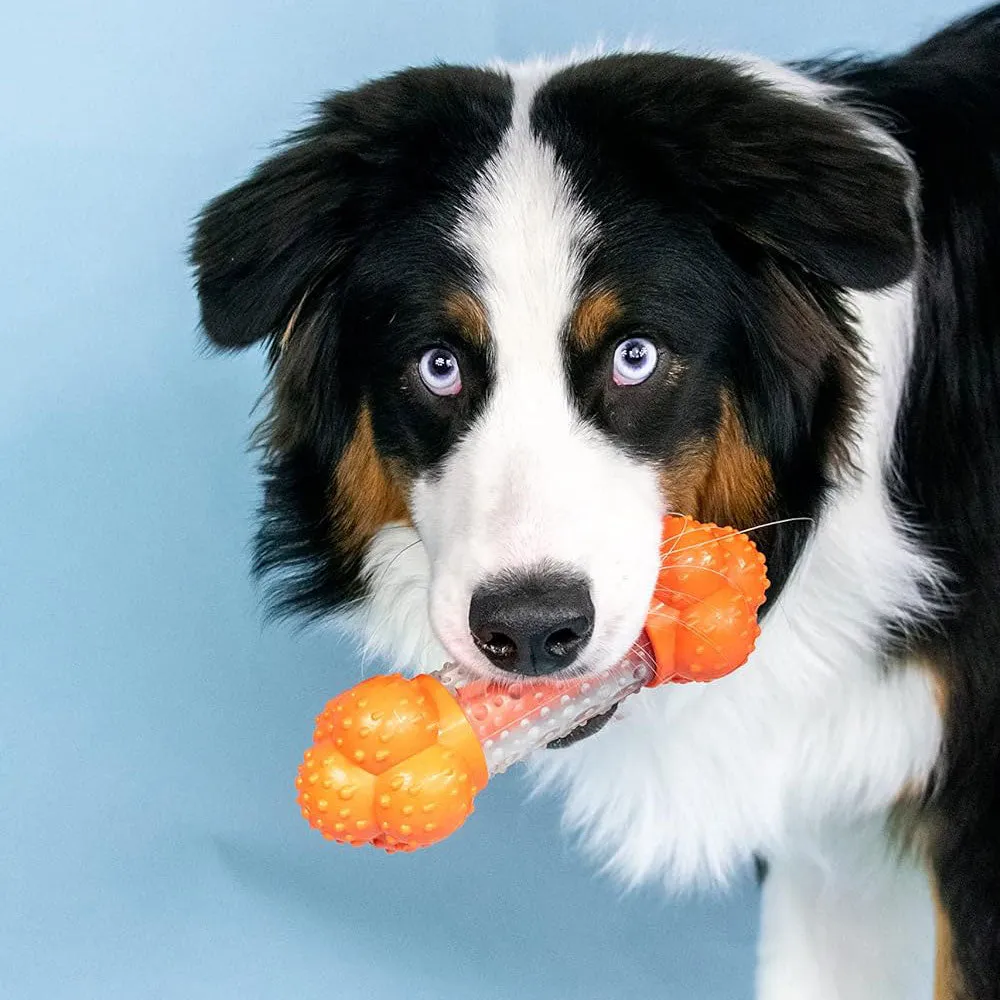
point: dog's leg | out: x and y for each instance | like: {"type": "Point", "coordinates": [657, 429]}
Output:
{"type": "Point", "coordinates": [845, 919]}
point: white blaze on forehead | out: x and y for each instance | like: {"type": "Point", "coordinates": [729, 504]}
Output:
{"type": "Point", "coordinates": [531, 482]}
{"type": "Point", "coordinates": [528, 235]}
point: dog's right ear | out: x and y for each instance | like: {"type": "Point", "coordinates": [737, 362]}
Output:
{"type": "Point", "coordinates": [261, 248]}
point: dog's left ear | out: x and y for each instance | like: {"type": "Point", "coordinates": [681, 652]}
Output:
{"type": "Point", "coordinates": [810, 181]}
{"type": "Point", "coordinates": [260, 247]}
{"type": "Point", "coordinates": [783, 164]}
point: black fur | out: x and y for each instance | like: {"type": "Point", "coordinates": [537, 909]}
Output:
{"type": "Point", "coordinates": [340, 234]}
{"type": "Point", "coordinates": [681, 137]}
{"type": "Point", "coordinates": [943, 103]}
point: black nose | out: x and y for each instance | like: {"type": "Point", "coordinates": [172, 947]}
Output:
{"type": "Point", "coordinates": [533, 623]}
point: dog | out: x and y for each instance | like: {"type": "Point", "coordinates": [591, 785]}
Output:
{"type": "Point", "coordinates": [517, 314]}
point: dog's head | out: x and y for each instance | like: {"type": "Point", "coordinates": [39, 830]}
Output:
{"type": "Point", "coordinates": [515, 316]}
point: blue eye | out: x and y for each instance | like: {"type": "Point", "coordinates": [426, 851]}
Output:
{"type": "Point", "coordinates": [440, 372]}
{"type": "Point", "coordinates": [635, 360]}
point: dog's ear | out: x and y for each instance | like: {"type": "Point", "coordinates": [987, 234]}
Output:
{"type": "Point", "coordinates": [779, 163]}
{"type": "Point", "coordinates": [264, 247]}
{"type": "Point", "coordinates": [811, 183]}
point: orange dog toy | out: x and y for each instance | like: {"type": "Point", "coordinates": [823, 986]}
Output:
{"type": "Point", "coordinates": [396, 762]}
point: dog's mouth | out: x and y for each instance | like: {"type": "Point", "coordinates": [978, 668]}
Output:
{"type": "Point", "coordinates": [594, 725]}
{"type": "Point", "coordinates": [554, 711]}
{"type": "Point", "coordinates": [641, 649]}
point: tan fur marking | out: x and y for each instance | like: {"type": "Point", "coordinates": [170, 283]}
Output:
{"type": "Point", "coordinates": [739, 484]}
{"type": "Point", "coordinates": [367, 495]}
{"type": "Point", "coordinates": [592, 318]}
{"type": "Point", "coordinates": [466, 310]}
{"type": "Point", "coordinates": [682, 481]}
{"type": "Point", "coordinates": [947, 983]}
{"type": "Point", "coordinates": [723, 480]}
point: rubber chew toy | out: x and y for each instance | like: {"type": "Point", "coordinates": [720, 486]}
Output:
{"type": "Point", "coordinates": [396, 762]}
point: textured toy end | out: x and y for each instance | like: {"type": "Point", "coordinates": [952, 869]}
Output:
{"type": "Point", "coordinates": [394, 763]}
{"type": "Point", "coordinates": [397, 762]}
{"type": "Point", "coordinates": [702, 623]}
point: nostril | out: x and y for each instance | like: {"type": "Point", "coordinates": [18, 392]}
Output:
{"type": "Point", "coordinates": [567, 640]}
{"type": "Point", "coordinates": [496, 645]}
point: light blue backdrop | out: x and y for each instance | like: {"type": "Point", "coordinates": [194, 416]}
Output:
{"type": "Point", "coordinates": [149, 725]}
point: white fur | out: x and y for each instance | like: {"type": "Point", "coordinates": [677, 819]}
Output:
{"type": "Point", "coordinates": [392, 623]}
{"type": "Point", "coordinates": [814, 735]}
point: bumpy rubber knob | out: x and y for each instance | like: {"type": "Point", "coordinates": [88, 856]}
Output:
{"type": "Point", "coordinates": [702, 623]}
{"type": "Point", "coordinates": [394, 763]}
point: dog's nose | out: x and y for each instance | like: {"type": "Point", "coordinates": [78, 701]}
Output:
{"type": "Point", "coordinates": [534, 623]}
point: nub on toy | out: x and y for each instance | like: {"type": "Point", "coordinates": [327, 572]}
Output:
{"type": "Point", "coordinates": [396, 762]}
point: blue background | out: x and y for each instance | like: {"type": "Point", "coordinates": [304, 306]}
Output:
{"type": "Point", "coordinates": [150, 725]}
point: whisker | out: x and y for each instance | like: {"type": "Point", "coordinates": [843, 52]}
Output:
{"type": "Point", "coordinates": [370, 625]}
{"type": "Point", "coordinates": [692, 569]}
{"type": "Point", "coordinates": [707, 569]}
{"type": "Point", "coordinates": [685, 530]}
{"type": "Point", "coordinates": [645, 656]}
{"type": "Point", "coordinates": [384, 570]}
{"type": "Point", "coordinates": [392, 562]}
{"type": "Point", "coordinates": [356, 602]}
{"type": "Point", "coordinates": [744, 531]}
{"type": "Point", "coordinates": [695, 632]}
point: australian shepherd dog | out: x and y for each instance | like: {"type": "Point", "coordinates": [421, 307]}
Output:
{"type": "Point", "coordinates": [516, 314]}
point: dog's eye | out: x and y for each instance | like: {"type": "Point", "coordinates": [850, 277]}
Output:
{"type": "Point", "coordinates": [635, 360]}
{"type": "Point", "coordinates": [440, 372]}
